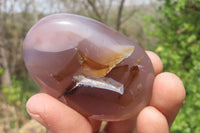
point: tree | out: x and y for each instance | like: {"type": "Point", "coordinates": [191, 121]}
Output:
{"type": "Point", "coordinates": [5, 79]}
{"type": "Point", "coordinates": [178, 34]}
{"type": "Point", "coordinates": [103, 10]}
{"type": "Point", "coordinates": [13, 28]}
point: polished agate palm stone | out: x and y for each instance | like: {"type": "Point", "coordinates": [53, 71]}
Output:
{"type": "Point", "coordinates": [89, 66]}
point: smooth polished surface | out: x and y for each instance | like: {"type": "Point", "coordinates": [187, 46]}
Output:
{"type": "Point", "coordinates": [90, 67]}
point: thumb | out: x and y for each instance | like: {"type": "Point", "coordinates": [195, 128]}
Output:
{"type": "Point", "coordinates": [56, 116]}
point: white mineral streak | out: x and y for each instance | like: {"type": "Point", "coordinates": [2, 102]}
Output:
{"type": "Point", "coordinates": [101, 83]}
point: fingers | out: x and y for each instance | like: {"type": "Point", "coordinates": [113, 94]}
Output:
{"type": "Point", "coordinates": [125, 126]}
{"type": "Point", "coordinates": [167, 95]}
{"type": "Point", "coordinates": [56, 116]}
{"type": "Point", "coordinates": [128, 125]}
{"type": "Point", "coordinates": [168, 90]}
{"type": "Point", "coordinates": [150, 120]}
{"type": "Point", "coordinates": [156, 62]}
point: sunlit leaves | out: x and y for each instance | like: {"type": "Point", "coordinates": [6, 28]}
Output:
{"type": "Point", "coordinates": [1, 71]}
{"type": "Point", "coordinates": [178, 34]}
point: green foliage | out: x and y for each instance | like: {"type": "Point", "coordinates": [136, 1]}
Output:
{"type": "Point", "coordinates": [178, 33]}
{"type": "Point", "coordinates": [1, 71]}
{"type": "Point", "coordinates": [12, 124]}
{"type": "Point", "coordinates": [16, 95]}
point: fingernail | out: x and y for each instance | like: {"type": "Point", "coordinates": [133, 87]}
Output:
{"type": "Point", "coordinates": [34, 109]}
{"type": "Point", "coordinates": [36, 117]}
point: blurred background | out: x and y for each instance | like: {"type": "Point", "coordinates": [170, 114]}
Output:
{"type": "Point", "coordinates": [171, 28]}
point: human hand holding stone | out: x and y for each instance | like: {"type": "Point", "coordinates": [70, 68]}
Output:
{"type": "Point", "coordinates": [167, 96]}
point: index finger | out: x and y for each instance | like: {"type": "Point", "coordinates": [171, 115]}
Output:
{"type": "Point", "coordinates": [156, 62]}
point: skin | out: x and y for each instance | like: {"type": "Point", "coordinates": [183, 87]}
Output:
{"type": "Point", "coordinates": [167, 97]}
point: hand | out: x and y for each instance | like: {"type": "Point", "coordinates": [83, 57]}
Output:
{"type": "Point", "coordinates": [167, 97]}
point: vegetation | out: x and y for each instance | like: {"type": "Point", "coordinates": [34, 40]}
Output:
{"type": "Point", "coordinates": [178, 44]}
{"type": "Point", "coordinates": [173, 32]}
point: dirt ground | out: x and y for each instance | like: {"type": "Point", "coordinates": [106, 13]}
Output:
{"type": "Point", "coordinates": [13, 120]}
